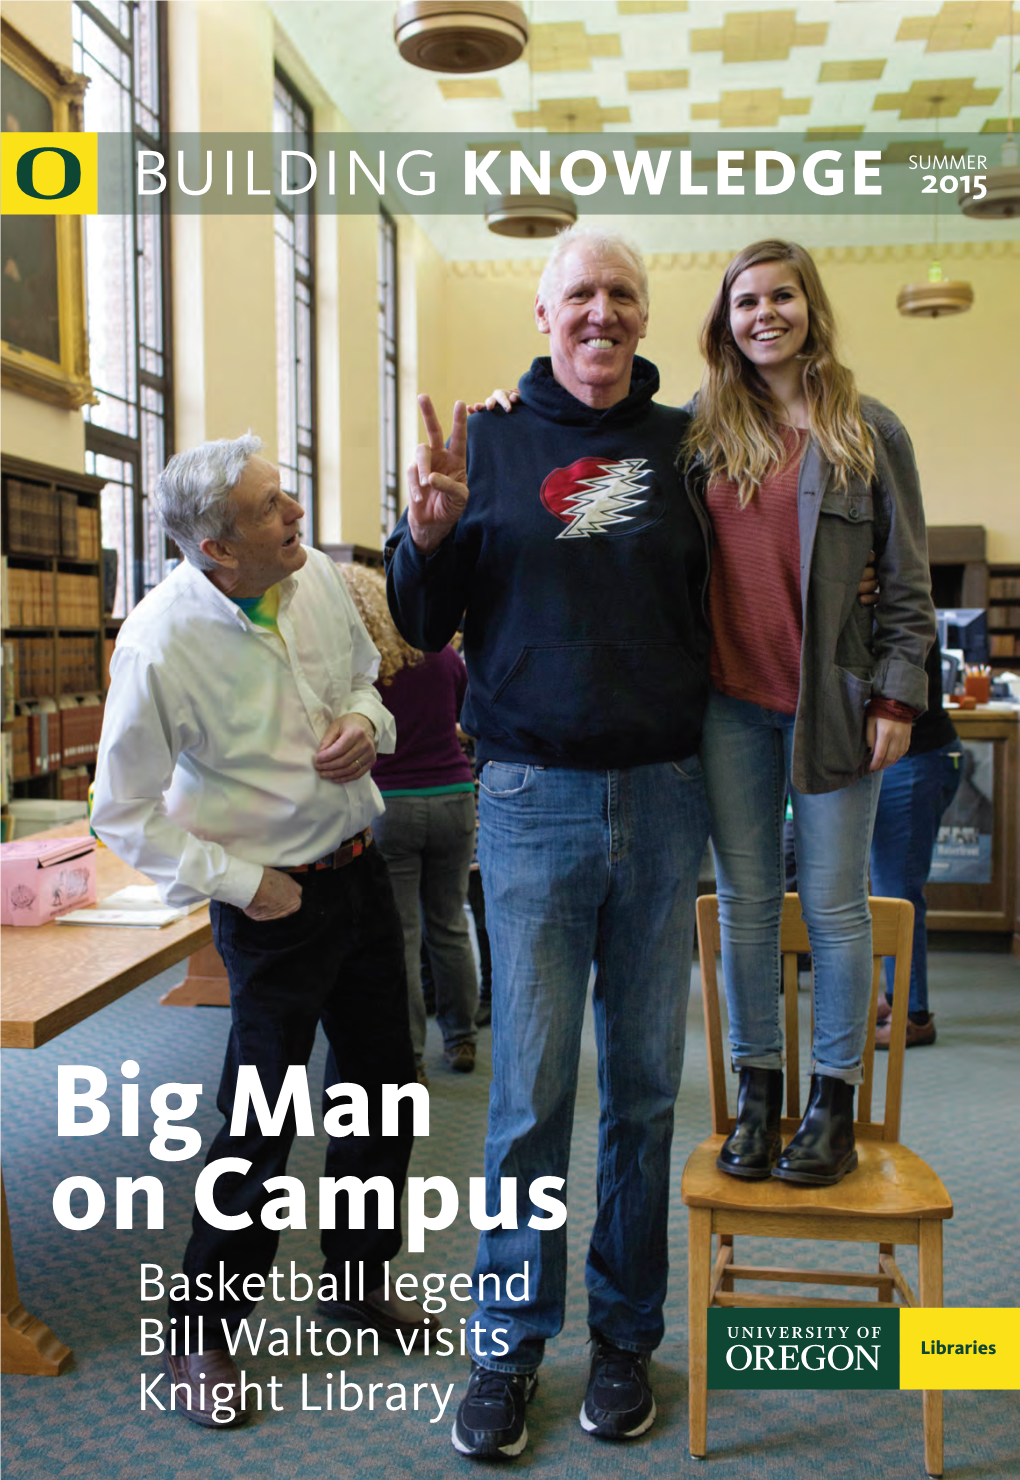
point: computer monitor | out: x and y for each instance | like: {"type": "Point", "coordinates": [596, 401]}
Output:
{"type": "Point", "coordinates": [965, 628]}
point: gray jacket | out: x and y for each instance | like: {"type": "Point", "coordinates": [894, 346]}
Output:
{"type": "Point", "coordinates": [850, 653]}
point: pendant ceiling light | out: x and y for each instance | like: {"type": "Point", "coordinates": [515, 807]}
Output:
{"type": "Point", "coordinates": [461, 35]}
{"type": "Point", "coordinates": [938, 297]}
{"type": "Point", "coordinates": [530, 214]}
{"type": "Point", "coordinates": [1002, 200]}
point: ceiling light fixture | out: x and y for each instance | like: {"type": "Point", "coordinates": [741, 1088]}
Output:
{"type": "Point", "coordinates": [1001, 201]}
{"type": "Point", "coordinates": [530, 214]}
{"type": "Point", "coordinates": [461, 35]}
{"type": "Point", "coordinates": [938, 297]}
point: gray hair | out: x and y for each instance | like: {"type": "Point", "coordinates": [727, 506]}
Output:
{"type": "Point", "coordinates": [193, 494]}
{"type": "Point", "coordinates": [600, 243]}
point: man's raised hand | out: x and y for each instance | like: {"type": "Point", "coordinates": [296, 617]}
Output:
{"type": "Point", "coordinates": [436, 480]}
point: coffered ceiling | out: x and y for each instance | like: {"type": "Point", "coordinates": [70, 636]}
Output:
{"type": "Point", "coordinates": [824, 68]}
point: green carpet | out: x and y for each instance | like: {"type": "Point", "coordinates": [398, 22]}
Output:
{"type": "Point", "coordinates": [962, 1113]}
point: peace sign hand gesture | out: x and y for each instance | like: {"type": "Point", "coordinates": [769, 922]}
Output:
{"type": "Point", "coordinates": [436, 480]}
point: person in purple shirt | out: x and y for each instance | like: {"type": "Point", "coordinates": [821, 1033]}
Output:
{"type": "Point", "coordinates": [427, 834]}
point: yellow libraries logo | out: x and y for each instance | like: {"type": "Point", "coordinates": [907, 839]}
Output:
{"type": "Point", "coordinates": [49, 174]}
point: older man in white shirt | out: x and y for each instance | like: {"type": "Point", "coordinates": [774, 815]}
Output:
{"type": "Point", "coordinates": [240, 731]}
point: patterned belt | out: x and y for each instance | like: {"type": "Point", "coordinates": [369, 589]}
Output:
{"type": "Point", "coordinates": [339, 858]}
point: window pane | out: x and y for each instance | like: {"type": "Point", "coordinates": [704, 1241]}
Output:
{"type": "Point", "coordinates": [295, 308]}
{"type": "Point", "coordinates": [126, 433]}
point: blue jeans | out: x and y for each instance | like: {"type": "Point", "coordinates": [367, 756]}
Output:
{"type": "Point", "coordinates": [428, 844]}
{"type": "Point", "coordinates": [583, 866]}
{"type": "Point", "coordinates": [915, 793]}
{"type": "Point", "coordinates": [746, 752]}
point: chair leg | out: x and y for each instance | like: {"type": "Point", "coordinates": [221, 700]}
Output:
{"type": "Point", "coordinates": [699, 1238]}
{"type": "Point", "coordinates": [884, 1291]}
{"type": "Point", "coordinates": [726, 1242]}
{"type": "Point", "coordinates": [929, 1269]}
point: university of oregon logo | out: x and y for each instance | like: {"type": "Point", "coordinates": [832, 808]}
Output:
{"type": "Point", "coordinates": [49, 174]}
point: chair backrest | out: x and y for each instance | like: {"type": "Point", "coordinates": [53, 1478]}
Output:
{"type": "Point", "coordinates": [892, 924]}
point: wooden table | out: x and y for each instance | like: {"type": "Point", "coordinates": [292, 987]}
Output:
{"type": "Point", "coordinates": [54, 976]}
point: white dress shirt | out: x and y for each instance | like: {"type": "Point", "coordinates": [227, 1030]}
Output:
{"type": "Point", "coordinates": [205, 768]}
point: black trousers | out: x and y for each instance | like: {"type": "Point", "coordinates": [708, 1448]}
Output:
{"type": "Point", "coordinates": [339, 960]}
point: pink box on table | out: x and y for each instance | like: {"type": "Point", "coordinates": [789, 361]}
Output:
{"type": "Point", "coordinates": [41, 878]}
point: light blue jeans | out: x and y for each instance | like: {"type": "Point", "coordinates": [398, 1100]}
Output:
{"type": "Point", "coordinates": [746, 753]}
{"type": "Point", "coordinates": [583, 866]}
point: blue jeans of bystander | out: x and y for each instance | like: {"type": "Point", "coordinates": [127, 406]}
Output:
{"type": "Point", "coordinates": [915, 793]}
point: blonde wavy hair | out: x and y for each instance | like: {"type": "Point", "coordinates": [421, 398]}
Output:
{"type": "Point", "coordinates": [368, 588]}
{"type": "Point", "coordinates": [736, 428]}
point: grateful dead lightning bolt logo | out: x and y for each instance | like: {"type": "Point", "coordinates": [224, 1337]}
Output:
{"type": "Point", "coordinates": [594, 495]}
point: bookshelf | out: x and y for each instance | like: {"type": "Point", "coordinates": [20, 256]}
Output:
{"type": "Point", "coordinates": [53, 629]}
{"type": "Point", "coordinates": [1004, 615]}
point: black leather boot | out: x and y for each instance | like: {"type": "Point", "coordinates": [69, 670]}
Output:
{"type": "Point", "coordinates": [822, 1151]}
{"type": "Point", "coordinates": [754, 1144]}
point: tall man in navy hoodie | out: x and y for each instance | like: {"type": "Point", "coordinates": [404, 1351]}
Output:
{"type": "Point", "coordinates": [578, 565]}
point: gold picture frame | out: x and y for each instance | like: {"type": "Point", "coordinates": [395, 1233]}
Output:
{"type": "Point", "coordinates": [44, 349]}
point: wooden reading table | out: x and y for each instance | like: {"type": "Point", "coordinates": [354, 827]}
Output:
{"type": "Point", "coordinates": [54, 976]}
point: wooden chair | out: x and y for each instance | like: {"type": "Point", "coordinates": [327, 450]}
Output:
{"type": "Point", "coordinates": [892, 1198]}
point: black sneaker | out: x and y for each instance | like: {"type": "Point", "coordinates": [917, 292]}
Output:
{"type": "Point", "coordinates": [490, 1420]}
{"type": "Point", "coordinates": [619, 1402]}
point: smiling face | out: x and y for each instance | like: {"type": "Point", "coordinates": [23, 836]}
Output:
{"type": "Point", "coordinates": [769, 316]}
{"type": "Point", "coordinates": [269, 545]}
{"type": "Point", "coordinates": [594, 325]}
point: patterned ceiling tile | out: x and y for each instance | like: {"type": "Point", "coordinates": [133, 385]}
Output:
{"type": "Point", "coordinates": [584, 172]}
{"type": "Point", "coordinates": [470, 87]}
{"type": "Point", "coordinates": [656, 81]}
{"type": "Point", "coordinates": [959, 26]}
{"type": "Point", "coordinates": [662, 141]}
{"type": "Point", "coordinates": [840, 131]}
{"type": "Point", "coordinates": [565, 46]}
{"type": "Point", "coordinates": [759, 36]}
{"type": "Point", "coordinates": [900, 150]}
{"type": "Point", "coordinates": [936, 98]}
{"type": "Point", "coordinates": [571, 116]}
{"type": "Point", "coordinates": [756, 108]}
{"type": "Point", "coordinates": [869, 71]}
{"type": "Point", "coordinates": [649, 7]}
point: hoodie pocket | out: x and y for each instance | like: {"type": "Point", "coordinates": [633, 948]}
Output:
{"type": "Point", "coordinates": [602, 703]}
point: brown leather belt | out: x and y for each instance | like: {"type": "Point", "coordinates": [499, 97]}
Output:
{"type": "Point", "coordinates": [339, 858]}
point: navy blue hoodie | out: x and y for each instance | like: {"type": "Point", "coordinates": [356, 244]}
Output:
{"type": "Point", "coordinates": [579, 568]}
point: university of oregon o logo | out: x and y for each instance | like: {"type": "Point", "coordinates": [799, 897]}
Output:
{"type": "Point", "coordinates": [49, 174]}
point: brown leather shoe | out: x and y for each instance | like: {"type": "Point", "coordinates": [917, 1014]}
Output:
{"type": "Point", "coordinates": [883, 1010]}
{"type": "Point", "coordinates": [919, 1035]}
{"type": "Point", "coordinates": [200, 1376]}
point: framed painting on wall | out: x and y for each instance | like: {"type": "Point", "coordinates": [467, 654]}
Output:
{"type": "Point", "coordinates": [43, 334]}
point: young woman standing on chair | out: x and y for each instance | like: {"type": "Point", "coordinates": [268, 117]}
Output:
{"type": "Point", "coordinates": [812, 694]}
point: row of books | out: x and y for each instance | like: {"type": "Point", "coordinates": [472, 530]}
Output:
{"type": "Point", "coordinates": [72, 781]}
{"type": "Point", "coordinates": [37, 667]}
{"type": "Point", "coordinates": [1002, 646]}
{"type": "Point", "coordinates": [47, 740]}
{"type": "Point", "coordinates": [1004, 588]}
{"type": "Point", "coordinates": [1004, 616]}
{"type": "Point", "coordinates": [29, 598]}
{"type": "Point", "coordinates": [49, 521]}
{"type": "Point", "coordinates": [77, 600]}
{"type": "Point", "coordinates": [38, 598]}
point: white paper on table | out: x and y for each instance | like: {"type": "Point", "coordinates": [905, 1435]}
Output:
{"type": "Point", "coordinates": [137, 904]}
